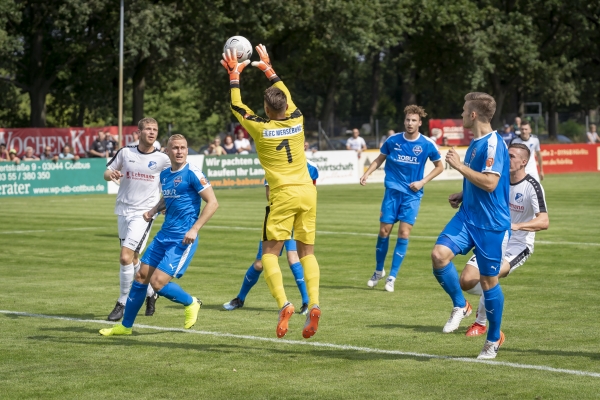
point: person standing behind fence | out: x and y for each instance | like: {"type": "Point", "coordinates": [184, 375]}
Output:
{"type": "Point", "coordinates": [356, 143]}
{"type": "Point", "coordinates": [533, 143]}
{"type": "Point", "coordinates": [592, 135]}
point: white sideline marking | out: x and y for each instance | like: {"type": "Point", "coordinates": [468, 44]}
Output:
{"type": "Point", "coordinates": [89, 228]}
{"type": "Point", "coordinates": [241, 228]}
{"type": "Point", "coordinates": [325, 345]}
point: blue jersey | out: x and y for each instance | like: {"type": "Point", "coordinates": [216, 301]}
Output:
{"type": "Point", "coordinates": [405, 161]}
{"type": "Point", "coordinates": [482, 209]}
{"type": "Point", "coordinates": [181, 192]}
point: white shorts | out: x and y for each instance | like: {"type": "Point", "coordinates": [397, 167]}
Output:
{"type": "Point", "coordinates": [134, 232]}
{"type": "Point", "coordinates": [515, 255]}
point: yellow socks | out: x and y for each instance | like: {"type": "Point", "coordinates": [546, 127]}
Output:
{"type": "Point", "coordinates": [272, 274]}
{"type": "Point", "coordinates": [312, 275]}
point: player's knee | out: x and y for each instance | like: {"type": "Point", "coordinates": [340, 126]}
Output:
{"type": "Point", "coordinates": [126, 259]}
{"type": "Point", "coordinates": [156, 285]}
{"type": "Point", "coordinates": [258, 266]}
{"type": "Point", "coordinates": [439, 257]}
{"type": "Point", "coordinates": [384, 231]}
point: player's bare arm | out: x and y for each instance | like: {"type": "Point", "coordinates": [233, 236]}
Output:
{"type": "Point", "coordinates": [374, 165]}
{"type": "Point", "coordinates": [210, 207]}
{"type": "Point", "coordinates": [112, 175]}
{"type": "Point", "coordinates": [159, 207]}
{"type": "Point", "coordinates": [538, 155]}
{"type": "Point", "coordinates": [455, 199]}
{"type": "Point", "coordinates": [541, 222]}
{"type": "Point", "coordinates": [483, 180]}
{"type": "Point", "coordinates": [418, 185]}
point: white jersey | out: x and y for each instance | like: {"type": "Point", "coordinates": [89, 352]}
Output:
{"type": "Point", "coordinates": [533, 143]}
{"type": "Point", "coordinates": [356, 143]}
{"type": "Point", "coordinates": [527, 199]}
{"type": "Point", "coordinates": [139, 188]}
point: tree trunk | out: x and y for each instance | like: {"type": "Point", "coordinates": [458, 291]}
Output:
{"type": "Point", "coordinates": [375, 83]}
{"type": "Point", "coordinates": [408, 88]}
{"type": "Point", "coordinates": [327, 115]}
{"type": "Point", "coordinates": [139, 86]}
{"type": "Point", "coordinates": [552, 121]}
{"type": "Point", "coordinates": [38, 85]}
{"type": "Point", "coordinates": [499, 96]}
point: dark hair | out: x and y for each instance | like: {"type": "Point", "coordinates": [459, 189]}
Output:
{"type": "Point", "coordinates": [483, 104]}
{"type": "Point", "coordinates": [275, 99]}
{"type": "Point", "coordinates": [525, 122]}
{"type": "Point", "coordinates": [522, 147]}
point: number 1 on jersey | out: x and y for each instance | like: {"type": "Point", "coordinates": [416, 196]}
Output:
{"type": "Point", "coordinates": [286, 143]}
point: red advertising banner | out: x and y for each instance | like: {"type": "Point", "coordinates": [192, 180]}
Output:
{"type": "Point", "coordinates": [563, 158]}
{"type": "Point", "coordinates": [80, 139]}
{"type": "Point", "coordinates": [452, 130]}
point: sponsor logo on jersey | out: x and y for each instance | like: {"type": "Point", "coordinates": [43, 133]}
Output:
{"type": "Point", "coordinates": [407, 159]}
{"type": "Point", "coordinates": [176, 181]}
{"type": "Point", "coordinates": [519, 197]}
{"type": "Point", "coordinates": [489, 162]}
{"type": "Point", "coordinates": [152, 165]}
{"type": "Point", "coordinates": [417, 149]}
{"type": "Point", "coordinates": [274, 133]}
{"type": "Point", "coordinates": [138, 176]}
{"type": "Point", "coordinates": [132, 161]}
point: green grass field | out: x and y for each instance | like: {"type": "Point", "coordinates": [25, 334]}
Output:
{"type": "Point", "coordinates": [60, 262]}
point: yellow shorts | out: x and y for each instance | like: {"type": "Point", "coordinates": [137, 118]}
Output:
{"type": "Point", "coordinates": [291, 207]}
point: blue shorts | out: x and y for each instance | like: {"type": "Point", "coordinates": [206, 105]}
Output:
{"type": "Point", "coordinates": [169, 255]}
{"type": "Point", "coordinates": [398, 206]}
{"type": "Point", "coordinates": [461, 237]}
{"type": "Point", "coordinates": [290, 245]}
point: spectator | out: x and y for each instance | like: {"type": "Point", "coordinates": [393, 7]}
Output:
{"type": "Point", "coordinates": [67, 154]}
{"type": "Point", "coordinates": [592, 135]}
{"type": "Point", "coordinates": [390, 133]}
{"type": "Point", "coordinates": [3, 153]}
{"type": "Point", "coordinates": [110, 145]}
{"type": "Point", "coordinates": [242, 145]}
{"type": "Point", "coordinates": [136, 141]}
{"type": "Point", "coordinates": [517, 126]}
{"type": "Point", "coordinates": [98, 149]}
{"type": "Point", "coordinates": [445, 142]}
{"type": "Point", "coordinates": [12, 156]}
{"type": "Point", "coordinates": [507, 135]}
{"type": "Point", "coordinates": [215, 148]}
{"type": "Point", "coordinates": [239, 128]}
{"type": "Point", "coordinates": [356, 143]}
{"type": "Point", "coordinates": [29, 156]}
{"type": "Point", "coordinates": [229, 146]}
{"type": "Point", "coordinates": [47, 154]}
{"type": "Point", "coordinates": [308, 147]}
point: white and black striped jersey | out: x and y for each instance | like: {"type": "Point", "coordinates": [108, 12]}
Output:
{"type": "Point", "coordinates": [139, 188]}
{"type": "Point", "coordinates": [527, 198]}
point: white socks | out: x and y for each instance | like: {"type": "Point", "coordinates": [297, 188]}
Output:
{"type": "Point", "coordinates": [126, 276]}
{"type": "Point", "coordinates": [481, 316]}
{"type": "Point", "coordinates": [476, 290]}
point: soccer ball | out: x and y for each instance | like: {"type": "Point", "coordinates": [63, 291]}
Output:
{"type": "Point", "coordinates": [241, 44]}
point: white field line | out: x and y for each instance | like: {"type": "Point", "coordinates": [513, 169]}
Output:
{"type": "Point", "coordinates": [241, 228]}
{"type": "Point", "coordinates": [323, 345]}
{"type": "Point", "coordinates": [89, 228]}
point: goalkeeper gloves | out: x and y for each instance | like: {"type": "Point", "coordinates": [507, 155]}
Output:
{"type": "Point", "coordinates": [234, 69]}
{"type": "Point", "coordinates": [265, 63]}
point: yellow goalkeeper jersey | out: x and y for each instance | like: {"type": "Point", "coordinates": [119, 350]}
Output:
{"type": "Point", "coordinates": [279, 144]}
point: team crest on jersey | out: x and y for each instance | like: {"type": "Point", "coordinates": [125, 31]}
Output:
{"type": "Point", "coordinates": [176, 181]}
{"type": "Point", "coordinates": [203, 181]}
{"type": "Point", "coordinates": [152, 165]}
{"type": "Point", "coordinates": [417, 149]}
{"type": "Point", "coordinates": [473, 153]}
{"type": "Point", "coordinates": [489, 162]}
{"type": "Point", "coordinates": [519, 197]}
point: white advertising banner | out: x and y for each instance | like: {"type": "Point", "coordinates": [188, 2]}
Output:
{"type": "Point", "coordinates": [449, 172]}
{"type": "Point", "coordinates": [335, 167]}
{"type": "Point", "coordinates": [365, 160]}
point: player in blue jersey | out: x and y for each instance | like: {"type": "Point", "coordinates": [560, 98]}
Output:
{"type": "Point", "coordinates": [482, 222]}
{"type": "Point", "coordinates": [253, 273]}
{"type": "Point", "coordinates": [406, 155]}
{"type": "Point", "coordinates": [183, 186]}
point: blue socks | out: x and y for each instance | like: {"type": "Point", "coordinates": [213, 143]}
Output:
{"type": "Point", "coordinates": [174, 292]}
{"type": "Point", "coordinates": [298, 272]}
{"type": "Point", "coordinates": [250, 280]}
{"type": "Point", "coordinates": [135, 300]}
{"type": "Point", "coordinates": [399, 253]}
{"type": "Point", "coordinates": [448, 279]}
{"type": "Point", "coordinates": [381, 251]}
{"type": "Point", "coordinates": [494, 305]}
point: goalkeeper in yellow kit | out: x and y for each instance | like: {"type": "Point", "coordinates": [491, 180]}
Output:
{"type": "Point", "coordinates": [279, 143]}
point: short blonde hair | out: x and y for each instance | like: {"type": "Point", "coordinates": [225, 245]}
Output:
{"type": "Point", "coordinates": [145, 121]}
{"type": "Point", "coordinates": [176, 136]}
{"type": "Point", "coordinates": [483, 104]}
{"type": "Point", "coordinates": [415, 109]}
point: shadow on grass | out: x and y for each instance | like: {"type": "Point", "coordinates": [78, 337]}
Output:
{"type": "Point", "coordinates": [560, 353]}
{"type": "Point", "coordinates": [346, 287]}
{"type": "Point", "coordinates": [416, 328]}
{"type": "Point", "coordinates": [219, 307]}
